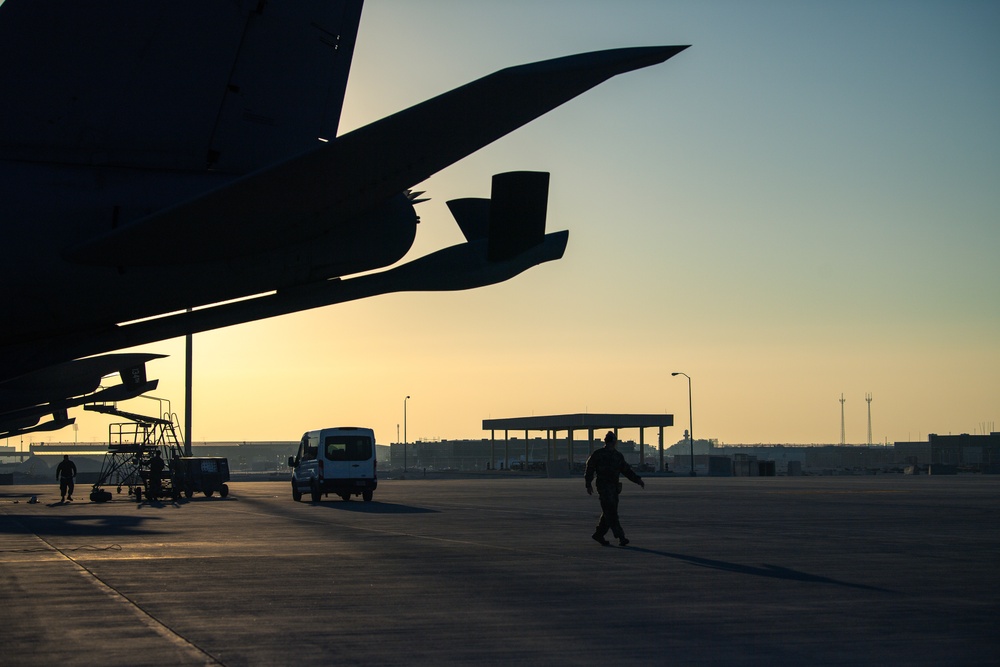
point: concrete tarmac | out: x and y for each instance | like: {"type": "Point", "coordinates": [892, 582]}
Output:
{"type": "Point", "coordinates": [886, 570]}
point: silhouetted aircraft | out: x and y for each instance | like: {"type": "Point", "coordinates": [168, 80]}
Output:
{"type": "Point", "coordinates": [172, 166]}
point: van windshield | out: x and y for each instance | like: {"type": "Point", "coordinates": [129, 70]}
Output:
{"type": "Point", "coordinates": [348, 448]}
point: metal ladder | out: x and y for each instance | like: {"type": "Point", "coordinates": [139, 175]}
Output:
{"type": "Point", "coordinates": [131, 445]}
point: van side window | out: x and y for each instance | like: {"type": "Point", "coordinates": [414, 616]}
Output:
{"type": "Point", "coordinates": [348, 448]}
{"type": "Point", "coordinates": [308, 448]}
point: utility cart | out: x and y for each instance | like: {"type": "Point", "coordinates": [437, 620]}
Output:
{"type": "Point", "coordinates": [200, 474]}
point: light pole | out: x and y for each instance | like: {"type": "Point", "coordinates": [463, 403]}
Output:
{"type": "Point", "coordinates": [690, 420]}
{"type": "Point", "coordinates": [404, 432]}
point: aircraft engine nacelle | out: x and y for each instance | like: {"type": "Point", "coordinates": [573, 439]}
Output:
{"type": "Point", "coordinates": [371, 240]}
{"type": "Point", "coordinates": [505, 235]}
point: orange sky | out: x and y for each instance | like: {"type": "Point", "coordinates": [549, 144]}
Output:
{"type": "Point", "coordinates": [801, 205]}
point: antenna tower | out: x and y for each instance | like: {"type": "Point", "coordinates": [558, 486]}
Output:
{"type": "Point", "coordinates": [868, 397]}
{"type": "Point", "coordinates": [842, 435]}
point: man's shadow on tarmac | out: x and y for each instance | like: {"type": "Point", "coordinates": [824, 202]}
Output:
{"type": "Point", "coordinates": [765, 570]}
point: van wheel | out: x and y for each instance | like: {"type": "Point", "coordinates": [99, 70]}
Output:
{"type": "Point", "coordinates": [224, 490]}
{"type": "Point", "coordinates": [367, 494]}
{"type": "Point", "coordinates": [345, 496]}
{"type": "Point", "coordinates": [296, 494]}
{"type": "Point", "coordinates": [317, 495]}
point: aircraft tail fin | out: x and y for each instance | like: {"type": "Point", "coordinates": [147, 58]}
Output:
{"type": "Point", "coordinates": [279, 102]}
{"type": "Point", "coordinates": [176, 84]}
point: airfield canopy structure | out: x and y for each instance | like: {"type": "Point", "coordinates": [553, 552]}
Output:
{"type": "Point", "coordinates": [590, 422]}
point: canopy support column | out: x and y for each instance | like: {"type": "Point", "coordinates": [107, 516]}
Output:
{"type": "Point", "coordinates": [662, 469]}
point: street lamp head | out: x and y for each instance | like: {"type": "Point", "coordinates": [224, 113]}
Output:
{"type": "Point", "coordinates": [675, 374]}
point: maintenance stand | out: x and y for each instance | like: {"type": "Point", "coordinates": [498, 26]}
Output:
{"type": "Point", "coordinates": [130, 462]}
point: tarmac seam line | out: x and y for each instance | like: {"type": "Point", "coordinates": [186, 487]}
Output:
{"type": "Point", "coordinates": [195, 652]}
{"type": "Point", "coordinates": [146, 619]}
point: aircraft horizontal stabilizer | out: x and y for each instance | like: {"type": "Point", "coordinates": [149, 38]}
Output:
{"type": "Point", "coordinates": [74, 378]}
{"type": "Point", "coordinates": [27, 398]}
{"type": "Point", "coordinates": [341, 179]}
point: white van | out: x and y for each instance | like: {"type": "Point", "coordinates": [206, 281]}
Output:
{"type": "Point", "coordinates": [335, 460]}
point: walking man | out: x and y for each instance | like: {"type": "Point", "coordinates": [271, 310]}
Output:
{"type": "Point", "coordinates": [607, 463]}
{"type": "Point", "coordinates": [65, 472]}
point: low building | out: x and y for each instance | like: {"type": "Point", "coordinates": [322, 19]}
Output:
{"type": "Point", "coordinates": [974, 453]}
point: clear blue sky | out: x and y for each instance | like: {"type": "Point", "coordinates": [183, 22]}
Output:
{"type": "Point", "coordinates": [805, 203]}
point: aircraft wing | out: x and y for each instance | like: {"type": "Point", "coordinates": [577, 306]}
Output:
{"type": "Point", "coordinates": [295, 200]}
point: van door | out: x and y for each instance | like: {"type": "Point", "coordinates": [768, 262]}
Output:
{"type": "Point", "coordinates": [348, 456]}
{"type": "Point", "coordinates": [307, 464]}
